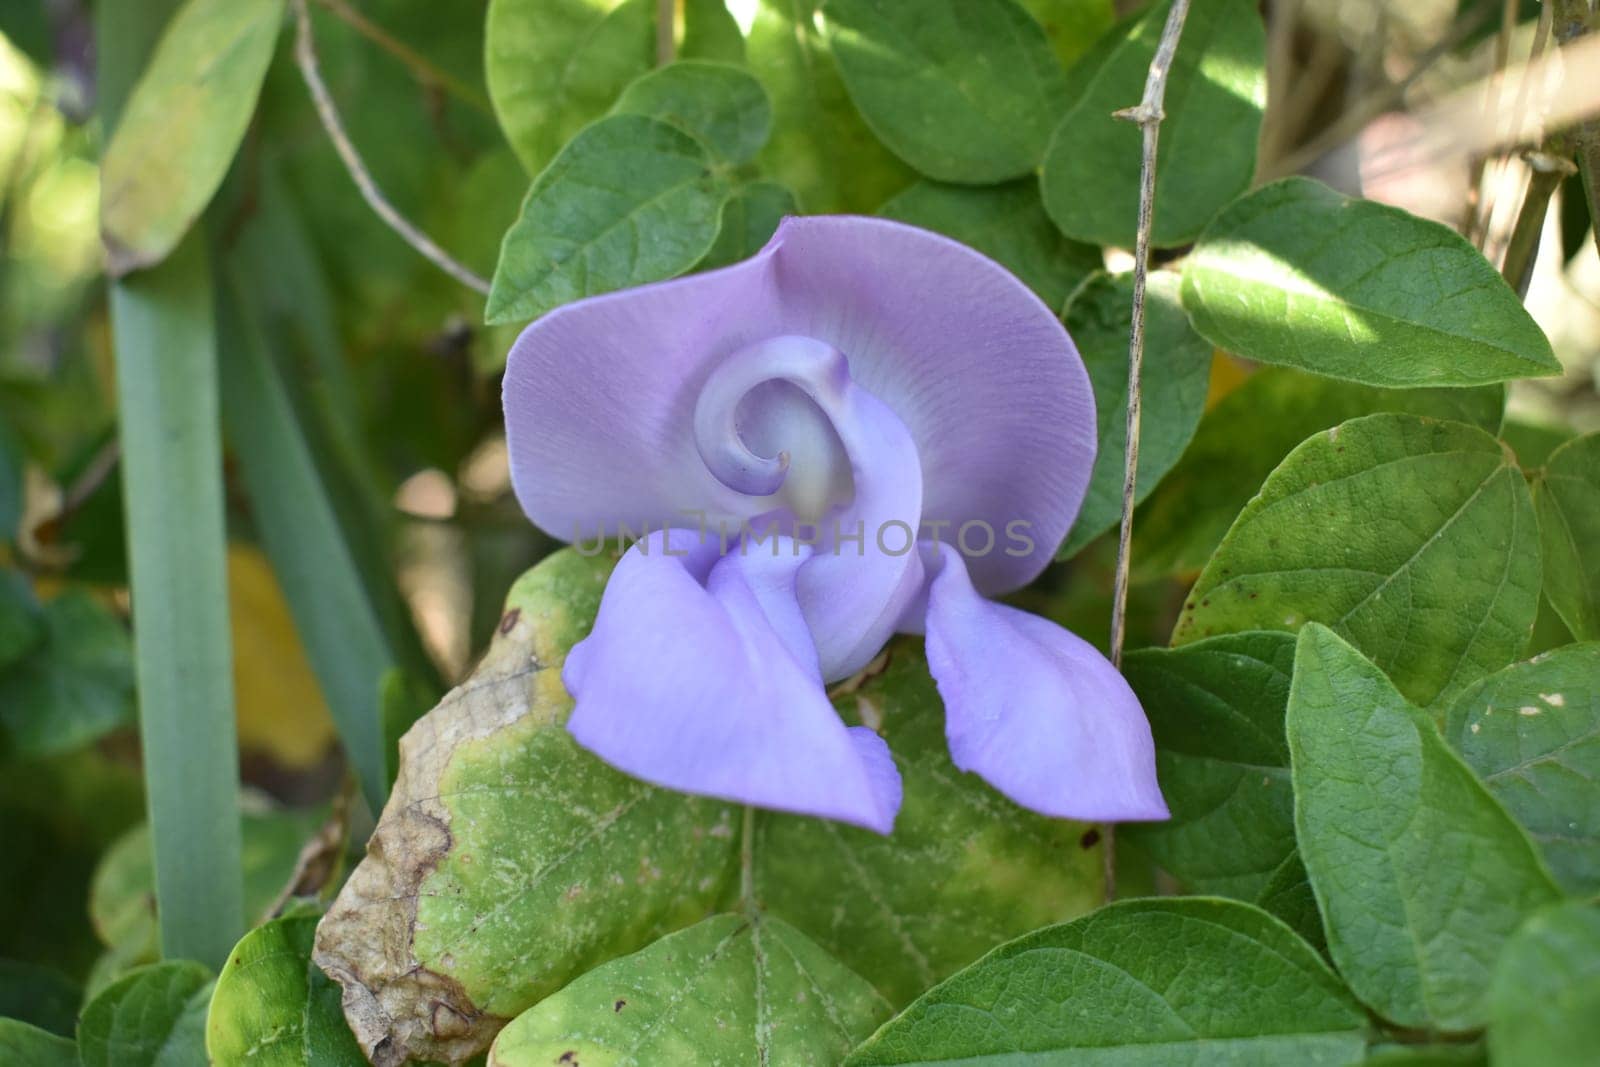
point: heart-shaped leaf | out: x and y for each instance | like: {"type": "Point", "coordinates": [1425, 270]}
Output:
{"type": "Point", "coordinates": [508, 860]}
{"type": "Point", "coordinates": [1420, 874]}
{"type": "Point", "coordinates": [1248, 433]}
{"type": "Point", "coordinates": [1295, 273]}
{"type": "Point", "coordinates": [731, 989]}
{"type": "Point", "coordinates": [1532, 732]}
{"type": "Point", "coordinates": [1544, 1003]}
{"type": "Point", "coordinates": [1216, 709]}
{"type": "Point", "coordinates": [1567, 494]}
{"type": "Point", "coordinates": [152, 1017]}
{"type": "Point", "coordinates": [964, 869]}
{"type": "Point", "coordinates": [274, 1008]}
{"type": "Point", "coordinates": [553, 66]}
{"type": "Point", "coordinates": [629, 200]}
{"type": "Point", "coordinates": [1216, 89]}
{"type": "Point", "coordinates": [1413, 538]}
{"type": "Point", "coordinates": [1142, 982]}
{"type": "Point", "coordinates": [963, 90]}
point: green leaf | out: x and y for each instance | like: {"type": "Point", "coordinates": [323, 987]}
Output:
{"type": "Point", "coordinates": [629, 200]}
{"type": "Point", "coordinates": [721, 105]}
{"type": "Point", "coordinates": [509, 860]}
{"type": "Point", "coordinates": [75, 686]}
{"type": "Point", "coordinates": [1289, 896]}
{"type": "Point", "coordinates": [1413, 538]}
{"type": "Point", "coordinates": [728, 990]}
{"type": "Point", "coordinates": [709, 32]}
{"type": "Point", "coordinates": [1215, 95]}
{"type": "Point", "coordinates": [38, 995]}
{"type": "Point", "coordinates": [964, 869]}
{"type": "Point", "coordinates": [1420, 874]}
{"type": "Point", "coordinates": [21, 622]}
{"type": "Point", "coordinates": [1297, 274]}
{"type": "Point", "coordinates": [336, 621]}
{"type": "Point", "coordinates": [152, 1017]}
{"type": "Point", "coordinates": [820, 148]}
{"type": "Point", "coordinates": [274, 1008]}
{"type": "Point", "coordinates": [1440, 1055]}
{"type": "Point", "coordinates": [1156, 982]}
{"type": "Point", "coordinates": [553, 66]}
{"type": "Point", "coordinates": [749, 219]}
{"type": "Point", "coordinates": [122, 901]}
{"type": "Point", "coordinates": [1544, 1001]}
{"type": "Point", "coordinates": [963, 90]}
{"type": "Point", "coordinates": [1567, 495]}
{"type": "Point", "coordinates": [24, 1044]}
{"type": "Point", "coordinates": [1532, 732]}
{"type": "Point", "coordinates": [1177, 372]}
{"type": "Point", "coordinates": [182, 124]}
{"type": "Point", "coordinates": [1216, 709]}
{"type": "Point", "coordinates": [1071, 26]}
{"type": "Point", "coordinates": [1248, 433]}
{"type": "Point", "coordinates": [1007, 223]}
{"type": "Point", "coordinates": [166, 359]}
{"type": "Point", "coordinates": [11, 457]}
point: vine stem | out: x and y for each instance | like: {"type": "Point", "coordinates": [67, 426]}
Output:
{"type": "Point", "coordinates": [305, 54]}
{"type": "Point", "coordinates": [1147, 114]}
{"type": "Point", "coordinates": [1547, 172]}
{"type": "Point", "coordinates": [747, 863]}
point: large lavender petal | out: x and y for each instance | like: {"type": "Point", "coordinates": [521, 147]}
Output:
{"type": "Point", "coordinates": [600, 395]}
{"type": "Point", "coordinates": [1037, 711]}
{"type": "Point", "coordinates": [700, 676]}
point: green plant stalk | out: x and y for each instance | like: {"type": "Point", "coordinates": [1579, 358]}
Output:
{"type": "Point", "coordinates": [165, 341]}
{"type": "Point", "coordinates": [337, 624]}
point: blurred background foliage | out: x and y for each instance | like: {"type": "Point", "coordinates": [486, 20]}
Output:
{"type": "Point", "coordinates": [393, 382]}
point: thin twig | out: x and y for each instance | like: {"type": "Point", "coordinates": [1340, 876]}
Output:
{"type": "Point", "coordinates": [666, 46]}
{"type": "Point", "coordinates": [306, 56]}
{"type": "Point", "coordinates": [1148, 114]}
{"type": "Point", "coordinates": [1369, 107]}
{"type": "Point", "coordinates": [1546, 173]}
{"type": "Point", "coordinates": [426, 73]}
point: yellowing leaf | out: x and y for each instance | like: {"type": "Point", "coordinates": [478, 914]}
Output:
{"type": "Point", "coordinates": [281, 709]}
{"type": "Point", "coordinates": [182, 125]}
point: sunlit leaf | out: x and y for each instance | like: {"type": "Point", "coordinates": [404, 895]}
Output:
{"type": "Point", "coordinates": [1215, 94]}
{"type": "Point", "coordinates": [182, 125]}
{"type": "Point", "coordinates": [1295, 273]}
{"type": "Point", "coordinates": [553, 66]}
{"type": "Point", "coordinates": [630, 200]}
{"type": "Point", "coordinates": [720, 104]}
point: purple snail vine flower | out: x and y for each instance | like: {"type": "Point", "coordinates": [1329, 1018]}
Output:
{"type": "Point", "coordinates": [864, 429]}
